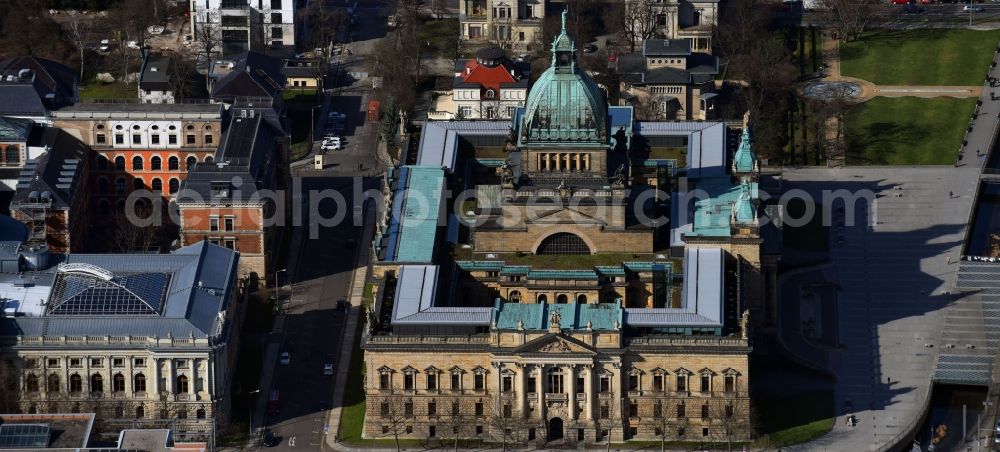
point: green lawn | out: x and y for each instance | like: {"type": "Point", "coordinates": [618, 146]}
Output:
{"type": "Point", "coordinates": [907, 131]}
{"type": "Point", "coordinates": [116, 90]}
{"type": "Point", "coordinates": [811, 236]}
{"type": "Point", "coordinates": [924, 56]}
{"type": "Point", "coordinates": [796, 418]}
{"type": "Point", "coordinates": [304, 95]}
{"type": "Point", "coordinates": [442, 34]}
{"type": "Point", "coordinates": [352, 417]}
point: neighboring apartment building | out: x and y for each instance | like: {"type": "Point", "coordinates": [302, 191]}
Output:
{"type": "Point", "coordinates": [302, 73]}
{"type": "Point", "coordinates": [51, 196]}
{"type": "Point", "coordinates": [666, 80]}
{"type": "Point", "coordinates": [489, 87]}
{"type": "Point", "coordinates": [141, 146]}
{"type": "Point", "coordinates": [242, 25]}
{"type": "Point", "coordinates": [231, 201]}
{"type": "Point", "coordinates": [691, 20]}
{"type": "Point", "coordinates": [155, 86]}
{"type": "Point", "coordinates": [538, 331]}
{"type": "Point", "coordinates": [510, 24]}
{"type": "Point", "coordinates": [142, 336]}
{"type": "Point", "coordinates": [247, 75]}
{"type": "Point", "coordinates": [30, 87]}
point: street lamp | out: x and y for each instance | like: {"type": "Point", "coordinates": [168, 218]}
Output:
{"type": "Point", "coordinates": [252, 400]}
{"type": "Point", "coordinates": [312, 123]}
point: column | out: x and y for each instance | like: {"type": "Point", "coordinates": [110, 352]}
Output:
{"type": "Point", "coordinates": [578, 167]}
{"type": "Point", "coordinates": [589, 390]}
{"type": "Point", "coordinates": [522, 390]}
{"type": "Point", "coordinates": [540, 389]}
{"type": "Point", "coordinates": [170, 376]}
{"type": "Point", "coordinates": [155, 363]}
{"type": "Point", "coordinates": [571, 404]}
{"type": "Point", "coordinates": [586, 162]}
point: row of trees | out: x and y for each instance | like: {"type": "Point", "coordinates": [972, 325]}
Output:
{"type": "Point", "coordinates": [504, 424]}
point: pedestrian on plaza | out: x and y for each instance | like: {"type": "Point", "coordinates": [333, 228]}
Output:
{"type": "Point", "coordinates": [948, 259]}
{"type": "Point", "coordinates": [951, 194]}
{"type": "Point", "coordinates": [888, 380]}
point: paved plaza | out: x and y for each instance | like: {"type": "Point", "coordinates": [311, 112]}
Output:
{"type": "Point", "coordinates": [893, 269]}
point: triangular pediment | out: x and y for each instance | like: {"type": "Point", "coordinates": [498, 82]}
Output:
{"type": "Point", "coordinates": [556, 344]}
{"type": "Point", "coordinates": [565, 216]}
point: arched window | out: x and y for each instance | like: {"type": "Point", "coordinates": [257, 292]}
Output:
{"type": "Point", "coordinates": [200, 414]}
{"type": "Point", "coordinates": [96, 383]}
{"type": "Point", "coordinates": [138, 184]}
{"type": "Point", "coordinates": [137, 163]}
{"type": "Point", "coordinates": [157, 185]}
{"type": "Point", "coordinates": [515, 296]}
{"type": "Point", "coordinates": [118, 383]}
{"type": "Point", "coordinates": [190, 127]}
{"type": "Point", "coordinates": [75, 383]}
{"type": "Point", "coordinates": [173, 163]}
{"type": "Point", "coordinates": [120, 162]}
{"type": "Point", "coordinates": [490, 93]}
{"type": "Point", "coordinates": [140, 412]}
{"type": "Point", "coordinates": [562, 299]}
{"type": "Point", "coordinates": [155, 163]}
{"type": "Point", "coordinates": [139, 383]}
{"type": "Point", "coordinates": [182, 385]}
{"type": "Point", "coordinates": [191, 160]}
{"type": "Point", "coordinates": [581, 299]}
{"type": "Point", "coordinates": [209, 159]}
{"type": "Point", "coordinates": [102, 186]}
{"type": "Point", "coordinates": [120, 185]}
{"type": "Point", "coordinates": [174, 185]}
{"type": "Point", "coordinates": [563, 243]}
{"type": "Point", "coordinates": [102, 162]}
{"type": "Point", "coordinates": [542, 298]}
{"type": "Point", "coordinates": [105, 207]}
{"type": "Point", "coordinates": [52, 385]}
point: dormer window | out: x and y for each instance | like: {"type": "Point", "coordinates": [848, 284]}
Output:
{"type": "Point", "coordinates": [220, 189]}
{"type": "Point", "coordinates": [490, 94]}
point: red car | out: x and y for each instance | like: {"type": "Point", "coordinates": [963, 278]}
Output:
{"type": "Point", "coordinates": [901, 2]}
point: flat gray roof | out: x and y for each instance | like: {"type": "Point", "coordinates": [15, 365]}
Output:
{"type": "Point", "coordinates": [139, 111]}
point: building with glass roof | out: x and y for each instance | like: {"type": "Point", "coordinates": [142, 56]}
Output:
{"type": "Point", "coordinates": [131, 331]}
{"type": "Point", "coordinates": [519, 276]}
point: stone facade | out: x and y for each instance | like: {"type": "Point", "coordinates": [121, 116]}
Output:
{"type": "Point", "coordinates": [589, 386]}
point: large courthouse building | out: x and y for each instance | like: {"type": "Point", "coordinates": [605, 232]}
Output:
{"type": "Point", "coordinates": [528, 298]}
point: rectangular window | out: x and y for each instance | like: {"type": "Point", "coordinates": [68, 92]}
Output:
{"type": "Point", "coordinates": [432, 381]}
{"type": "Point", "coordinates": [479, 382]}
{"type": "Point", "coordinates": [704, 431]}
{"type": "Point", "coordinates": [729, 410]}
{"type": "Point", "coordinates": [208, 139]}
{"type": "Point", "coordinates": [456, 381]}
{"type": "Point", "coordinates": [171, 139]}
{"type": "Point", "coordinates": [605, 411]}
{"type": "Point", "coordinates": [119, 362]}
{"type": "Point", "coordinates": [632, 432]}
{"type": "Point", "coordinates": [479, 408]}
{"type": "Point", "coordinates": [384, 409]}
{"type": "Point", "coordinates": [277, 33]}
{"type": "Point", "coordinates": [680, 432]}
{"type": "Point", "coordinates": [431, 431]}
{"type": "Point", "coordinates": [455, 409]}
{"type": "Point", "coordinates": [119, 139]}
{"type": "Point", "coordinates": [190, 139]}
{"type": "Point", "coordinates": [730, 383]}
{"type": "Point", "coordinates": [182, 364]}
{"type": "Point", "coordinates": [75, 362]}
{"type": "Point", "coordinates": [154, 138]}
{"type": "Point", "coordinates": [408, 381]}
{"type": "Point", "coordinates": [53, 362]}
{"type": "Point", "coordinates": [657, 410]}
{"type": "Point", "coordinates": [139, 362]}
{"type": "Point", "coordinates": [507, 410]}
{"type": "Point", "coordinates": [508, 383]}
{"type": "Point", "coordinates": [658, 383]}
{"type": "Point", "coordinates": [408, 409]}
{"type": "Point", "coordinates": [532, 384]}
{"type": "Point", "coordinates": [704, 411]}
{"type": "Point", "coordinates": [555, 384]}
{"type": "Point", "coordinates": [229, 243]}
{"type": "Point", "coordinates": [275, 4]}
{"type": "Point", "coordinates": [605, 384]}
{"type": "Point", "coordinates": [95, 362]}
{"type": "Point", "coordinates": [102, 139]}
{"type": "Point", "coordinates": [633, 382]}
{"type": "Point", "coordinates": [432, 408]}
{"type": "Point", "coordinates": [230, 223]}
{"type": "Point", "coordinates": [136, 138]}
{"type": "Point", "coordinates": [681, 412]}
{"type": "Point", "coordinates": [633, 408]}
{"type": "Point", "coordinates": [706, 383]}
{"type": "Point", "coordinates": [383, 381]}
{"type": "Point", "coordinates": [213, 223]}
{"type": "Point", "coordinates": [465, 111]}
{"type": "Point", "coordinates": [479, 430]}
{"type": "Point", "coordinates": [580, 384]}
{"type": "Point", "coordinates": [213, 240]}
{"type": "Point", "coordinates": [682, 383]}
{"type": "Point", "coordinates": [275, 18]}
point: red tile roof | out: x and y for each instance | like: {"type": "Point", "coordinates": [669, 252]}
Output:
{"type": "Point", "coordinates": [487, 77]}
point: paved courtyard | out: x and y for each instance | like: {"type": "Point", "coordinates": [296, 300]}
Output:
{"type": "Point", "coordinates": [894, 269]}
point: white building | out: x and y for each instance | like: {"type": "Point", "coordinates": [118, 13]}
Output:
{"type": "Point", "coordinates": [488, 87]}
{"type": "Point", "coordinates": [243, 25]}
{"type": "Point", "coordinates": [125, 336]}
{"type": "Point", "coordinates": [155, 86]}
{"type": "Point", "coordinates": [691, 20]}
{"type": "Point", "coordinates": [511, 24]}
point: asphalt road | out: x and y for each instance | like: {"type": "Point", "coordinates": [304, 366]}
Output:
{"type": "Point", "coordinates": [314, 328]}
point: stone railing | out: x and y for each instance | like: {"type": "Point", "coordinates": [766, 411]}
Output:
{"type": "Point", "coordinates": [703, 341]}
{"type": "Point", "coordinates": [417, 339]}
{"type": "Point", "coordinates": [147, 341]}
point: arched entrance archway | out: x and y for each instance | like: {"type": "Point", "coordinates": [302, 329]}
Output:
{"type": "Point", "coordinates": [561, 299]}
{"type": "Point", "coordinates": [582, 299]}
{"type": "Point", "coordinates": [555, 429]}
{"type": "Point", "coordinates": [563, 243]}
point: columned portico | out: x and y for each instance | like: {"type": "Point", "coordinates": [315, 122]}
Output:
{"type": "Point", "coordinates": [570, 373]}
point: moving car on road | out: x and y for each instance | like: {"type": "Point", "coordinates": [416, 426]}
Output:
{"type": "Point", "coordinates": [285, 358]}
{"type": "Point", "coordinates": [328, 369]}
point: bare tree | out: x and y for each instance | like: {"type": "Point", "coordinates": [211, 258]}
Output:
{"type": "Point", "coordinates": [730, 415]}
{"type": "Point", "coordinates": [128, 236]}
{"type": "Point", "coordinates": [849, 18]}
{"type": "Point", "coordinates": [663, 422]}
{"type": "Point", "coordinates": [439, 8]}
{"type": "Point", "coordinates": [611, 417]}
{"type": "Point", "coordinates": [638, 22]}
{"type": "Point", "coordinates": [182, 71]}
{"type": "Point", "coordinates": [743, 24]}
{"type": "Point", "coordinates": [206, 36]}
{"type": "Point", "coordinates": [455, 422]}
{"type": "Point", "coordinates": [78, 31]}
{"type": "Point", "coordinates": [394, 413]}
{"type": "Point", "coordinates": [506, 423]}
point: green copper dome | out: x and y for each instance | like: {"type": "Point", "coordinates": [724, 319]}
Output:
{"type": "Point", "coordinates": [745, 158]}
{"type": "Point", "coordinates": [564, 105]}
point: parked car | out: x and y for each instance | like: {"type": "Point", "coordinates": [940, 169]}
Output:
{"type": "Point", "coordinates": [328, 369]}
{"type": "Point", "coordinates": [285, 359]}
{"type": "Point", "coordinates": [269, 439]}
{"type": "Point", "coordinates": [330, 145]}
{"type": "Point", "coordinates": [972, 8]}
{"type": "Point", "coordinates": [133, 45]}
{"type": "Point", "coordinates": [589, 48]}
{"type": "Point", "coordinates": [105, 45]}
{"type": "Point", "coordinates": [331, 136]}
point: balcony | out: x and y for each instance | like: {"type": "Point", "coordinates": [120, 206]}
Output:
{"type": "Point", "coordinates": [556, 396]}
